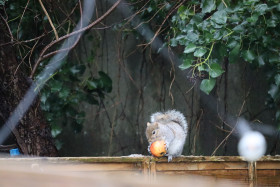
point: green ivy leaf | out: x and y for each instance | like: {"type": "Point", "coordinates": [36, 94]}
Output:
{"type": "Point", "coordinates": [261, 9]}
{"type": "Point", "coordinates": [203, 26]}
{"type": "Point", "coordinates": [92, 84]}
{"type": "Point", "coordinates": [273, 58]}
{"type": "Point", "coordinates": [77, 69]}
{"type": "Point", "coordinates": [80, 117]}
{"type": "Point", "coordinates": [215, 70]}
{"type": "Point", "coordinates": [207, 6]}
{"type": "Point", "coordinates": [173, 42]}
{"type": "Point", "coordinates": [105, 82]}
{"type": "Point", "coordinates": [248, 55]}
{"type": "Point", "coordinates": [200, 52]}
{"type": "Point", "coordinates": [187, 63]}
{"type": "Point", "coordinates": [208, 37]}
{"type": "Point", "coordinates": [207, 85]}
{"type": "Point", "coordinates": [56, 130]}
{"type": "Point", "coordinates": [234, 18]}
{"type": "Point", "coordinates": [149, 9]}
{"type": "Point", "coordinates": [218, 35]}
{"type": "Point", "coordinates": [191, 36]}
{"type": "Point", "coordinates": [64, 93]}
{"type": "Point", "coordinates": [266, 40]}
{"type": "Point", "coordinates": [278, 7]}
{"type": "Point", "coordinates": [2, 2]}
{"type": "Point", "coordinates": [250, 2]}
{"type": "Point", "coordinates": [232, 44]}
{"type": "Point", "coordinates": [238, 29]}
{"type": "Point", "coordinates": [220, 17]}
{"type": "Point", "coordinates": [271, 23]}
{"type": "Point", "coordinates": [253, 19]}
{"type": "Point", "coordinates": [277, 80]}
{"type": "Point", "coordinates": [261, 61]}
{"type": "Point", "coordinates": [44, 97]}
{"type": "Point", "coordinates": [182, 9]}
{"type": "Point", "coordinates": [190, 48]}
{"type": "Point", "coordinates": [273, 91]}
{"type": "Point", "coordinates": [55, 86]}
{"type": "Point", "coordinates": [277, 115]}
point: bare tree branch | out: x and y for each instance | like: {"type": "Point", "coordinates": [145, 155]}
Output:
{"type": "Point", "coordinates": [42, 56]}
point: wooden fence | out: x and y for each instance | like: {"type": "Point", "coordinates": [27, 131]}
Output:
{"type": "Point", "coordinates": [267, 169]}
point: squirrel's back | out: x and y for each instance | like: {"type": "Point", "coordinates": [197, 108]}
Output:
{"type": "Point", "coordinates": [170, 116]}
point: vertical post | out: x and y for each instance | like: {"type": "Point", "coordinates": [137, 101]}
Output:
{"type": "Point", "coordinates": [153, 172]}
{"type": "Point", "coordinates": [149, 169]}
{"type": "Point", "coordinates": [252, 172]}
{"type": "Point", "coordinates": [146, 168]}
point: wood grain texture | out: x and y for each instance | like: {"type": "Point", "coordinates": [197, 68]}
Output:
{"type": "Point", "coordinates": [149, 168]}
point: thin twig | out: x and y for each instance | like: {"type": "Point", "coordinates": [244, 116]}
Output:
{"type": "Point", "coordinates": [151, 17]}
{"type": "Point", "coordinates": [224, 3]}
{"type": "Point", "coordinates": [214, 152]}
{"type": "Point", "coordinates": [22, 60]}
{"type": "Point", "coordinates": [134, 15]}
{"type": "Point", "coordinates": [197, 128]}
{"type": "Point", "coordinates": [172, 71]}
{"type": "Point", "coordinates": [71, 34]}
{"type": "Point", "coordinates": [76, 42]}
{"type": "Point", "coordinates": [33, 48]}
{"type": "Point", "coordinates": [44, 34]}
{"type": "Point", "coordinates": [22, 17]}
{"type": "Point", "coordinates": [51, 23]}
{"type": "Point", "coordinates": [241, 109]}
{"type": "Point", "coordinates": [8, 27]}
{"type": "Point", "coordinates": [165, 19]}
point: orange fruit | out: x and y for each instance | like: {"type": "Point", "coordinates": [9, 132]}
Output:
{"type": "Point", "coordinates": [158, 149]}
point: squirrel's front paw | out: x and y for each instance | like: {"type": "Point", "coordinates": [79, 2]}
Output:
{"type": "Point", "coordinates": [149, 150]}
{"type": "Point", "coordinates": [166, 147]}
{"type": "Point", "coordinates": [169, 158]}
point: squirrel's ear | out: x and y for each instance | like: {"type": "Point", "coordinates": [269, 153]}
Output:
{"type": "Point", "coordinates": [156, 124]}
{"type": "Point", "coordinates": [148, 124]}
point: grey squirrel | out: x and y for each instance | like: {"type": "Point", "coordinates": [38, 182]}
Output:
{"type": "Point", "coordinates": [170, 126]}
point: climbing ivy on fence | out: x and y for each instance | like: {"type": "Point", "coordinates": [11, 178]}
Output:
{"type": "Point", "coordinates": [76, 82]}
{"type": "Point", "coordinates": [64, 92]}
{"type": "Point", "coordinates": [214, 31]}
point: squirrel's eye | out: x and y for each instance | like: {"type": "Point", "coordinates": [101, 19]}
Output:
{"type": "Point", "coordinates": [153, 132]}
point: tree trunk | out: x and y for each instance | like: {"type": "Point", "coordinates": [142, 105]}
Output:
{"type": "Point", "coordinates": [33, 134]}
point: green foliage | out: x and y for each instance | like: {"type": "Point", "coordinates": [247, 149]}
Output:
{"type": "Point", "coordinates": [207, 85]}
{"type": "Point", "coordinates": [2, 2]}
{"type": "Point", "coordinates": [245, 31]}
{"type": "Point", "coordinates": [73, 83]}
{"type": "Point", "coordinates": [64, 92]}
{"type": "Point", "coordinates": [214, 32]}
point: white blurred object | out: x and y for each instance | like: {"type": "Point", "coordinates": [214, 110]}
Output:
{"type": "Point", "coordinates": [252, 145]}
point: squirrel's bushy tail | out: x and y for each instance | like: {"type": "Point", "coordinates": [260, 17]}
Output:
{"type": "Point", "coordinates": [170, 115]}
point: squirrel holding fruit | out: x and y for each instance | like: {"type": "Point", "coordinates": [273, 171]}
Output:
{"type": "Point", "coordinates": [166, 133]}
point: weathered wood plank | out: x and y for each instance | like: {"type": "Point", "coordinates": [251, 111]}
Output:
{"type": "Point", "coordinates": [201, 166]}
{"type": "Point", "coordinates": [232, 174]}
{"type": "Point", "coordinates": [268, 165]}
{"type": "Point", "coordinates": [95, 167]}
{"type": "Point", "coordinates": [122, 159]}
